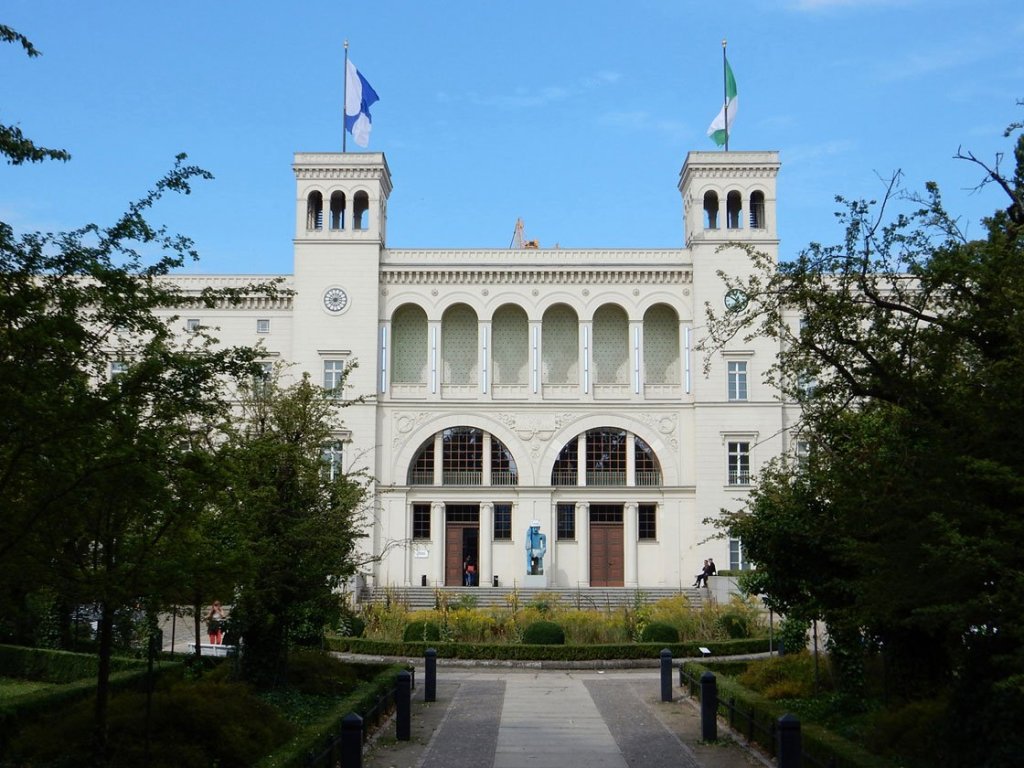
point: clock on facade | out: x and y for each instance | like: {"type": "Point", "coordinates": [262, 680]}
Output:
{"type": "Point", "coordinates": [736, 300]}
{"type": "Point", "coordinates": [335, 299]}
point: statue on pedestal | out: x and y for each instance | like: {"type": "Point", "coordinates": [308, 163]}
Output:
{"type": "Point", "coordinates": [536, 548]}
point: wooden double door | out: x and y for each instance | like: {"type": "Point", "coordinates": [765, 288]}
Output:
{"type": "Point", "coordinates": [461, 541]}
{"type": "Point", "coordinates": [606, 546]}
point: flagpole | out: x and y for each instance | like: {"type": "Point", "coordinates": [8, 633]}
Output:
{"type": "Point", "coordinates": [344, 98]}
{"type": "Point", "coordinates": [725, 91]}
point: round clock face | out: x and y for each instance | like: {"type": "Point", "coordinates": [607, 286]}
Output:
{"type": "Point", "coordinates": [736, 300]}
{"type": "Point", "coordinates": [335, 299]}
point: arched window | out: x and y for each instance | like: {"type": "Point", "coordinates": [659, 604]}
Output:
{"type": "Point", "coordinates": [510, 346]}
{"type": "Point", "coordinates": [606, 456]}
{"type": "Point", "coordinates": [757, 210]}
{"type": "Point", "coordinates": [459, 354]}
{"type": "Point", "coordinates": [360, 211]}
{"type": "Point", "coordinates": [337, 210]}
{"type": "Point", "coordinates": [409, 345]}
{"type": "Point", "coordinates": [710, 210]}
{"type": "Point", "coordinates": [661, 345]}
{"type": "Point", "coordinates": [611, 345]}
{"type": "Point", "coordinates": [315, 210]}
{"type": "Point", "coordinates": [560, 346]}
{"type": "Point", "coordinates": [733, 210]}
{"type": "Point", "coordinates": [462, 459]}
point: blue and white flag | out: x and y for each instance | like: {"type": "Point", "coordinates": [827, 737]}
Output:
{"type": "Point", "coordinates": [359, 95]}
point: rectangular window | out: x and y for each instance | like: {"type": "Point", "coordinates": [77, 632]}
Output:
{"type": "Point", "coordinates": [192, 324]}
{"type": "Point", "coordinates": [503, 522]}
{"type": "Point", "coordinates": [737, 380]}
{"type": "Point", "coordinates": [803, 454]}
{"type": "Point", "coordinates": [334, 371]}
{"type": "Point", "coordinates": [117, 367]}
{"type": "Point", "coordinates": [421, 521]}
{"type": "Point", "coordinates": [262, 326]}
{"type": "Point", "coordinates": [739, 463]}
{"type": "Point", "coordinates": [647, 525]}
{"type": "Point", "coordinates": [567, 521]}
{"type": "Point", "coordinates": [736, 561]}
{"type": "Point", "coordinates": [331, 455]}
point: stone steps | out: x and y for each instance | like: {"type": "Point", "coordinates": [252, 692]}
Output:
{"type": "Point", "coordinates": [592, 598]}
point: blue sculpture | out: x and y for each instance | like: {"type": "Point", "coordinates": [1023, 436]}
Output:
{"type": "Point", "coordinates": [536, 548]}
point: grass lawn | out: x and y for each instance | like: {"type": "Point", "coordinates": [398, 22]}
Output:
{"type": "Point", "coordinates": [11, 688]}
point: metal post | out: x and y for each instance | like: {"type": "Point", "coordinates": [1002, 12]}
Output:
{"type": "Point", "coordinates": [708, 707]}
{"type": "Point", "coordinates": [430, 675]}
{"type": "Point", "coordinates": [352, 741]}
{"type": "Point", "coordinates": [666, 675]}
{"type": "Point", "coordinates": [787, 736]}
{"type": "Point", "coordinates": [403, 706]}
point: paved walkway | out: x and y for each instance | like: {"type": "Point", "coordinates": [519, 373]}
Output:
{"type": "Point", "coordinates": [526, 718]}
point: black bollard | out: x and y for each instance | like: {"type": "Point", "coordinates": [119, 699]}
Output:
{"type": "Point", "coordinates": [787, 734]}
{"type": "Point", "coordinates": [666, 675]}
{"type": "Point", "coordinates": [430, 681]}
{"type": "Point", "coordinates": [708, 707]}
{"type": "Point", "coordinates": [352, 741]}
{"type": "Point", "coordinates": [403, 706]}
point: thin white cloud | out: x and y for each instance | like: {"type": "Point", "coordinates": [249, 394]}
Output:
{"type": "Point", "coordinates": [529, 98]}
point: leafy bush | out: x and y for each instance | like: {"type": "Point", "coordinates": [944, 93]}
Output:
{"type": "Point", "coordinates": [786, 677]}
{"type": "Point", "coordinates": [659, 632]}
{"type": "Point", "coordinates": [544, 633]}
{"type": "Point", "coordinates": [419, 630]}
{"type": "Point", "coordinates": [735, 624]}
{"type": "Point", "coordinates": [793, 634]}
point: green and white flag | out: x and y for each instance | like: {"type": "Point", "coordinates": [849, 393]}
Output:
{"type": "Point", "coordinates": [719, 130]}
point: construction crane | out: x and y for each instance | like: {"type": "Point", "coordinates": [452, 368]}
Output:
{"type": "Point", "coordinates": [518, 238]}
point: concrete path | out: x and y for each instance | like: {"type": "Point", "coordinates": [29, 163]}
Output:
{"type": "Point", "coordinates": [526, 718]}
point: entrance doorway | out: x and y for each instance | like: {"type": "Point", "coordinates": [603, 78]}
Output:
{"type": "Point", "coordinates": [461, 543]}
{"type": "Point", "coordinates": [606, 546]}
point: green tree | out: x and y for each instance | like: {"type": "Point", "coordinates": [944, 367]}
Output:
{"type": "Point", "coordinates": [902, 528]}
{"type": "Point", "coordinates": [297, 518]}
{"type": "Point", "coordinates": [14, 145]}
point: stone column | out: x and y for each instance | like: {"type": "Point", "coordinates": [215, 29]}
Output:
{"type": "Point", "coordinates": [486, 563]}
{"type": "Point", "coordinates": [486, 468]}
{"type": "Point", "coordinates": [583, 537]}
{"type": "Point", "coordinates": [437, 530]}
{"type": "Point", "coordinates": [629, 546]}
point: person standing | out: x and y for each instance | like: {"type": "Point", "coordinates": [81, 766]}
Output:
{"type": "Point", "coordinates": [215, 623]}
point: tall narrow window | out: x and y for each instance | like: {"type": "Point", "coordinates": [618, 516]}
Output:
{"type": "Point", "coordinates": [757, 210]}
{"type": "Point", "coordinates": [567, 521]}
{"type": "Point", "coordinates": [360, 211]}
{"type": "Point", "coordinates": [710, 210]}
{"type": "Point", "coordinates": [315, 210]}
{"type": "Point", "coordinates": [337, 210]}
{"type": "Point", "coordinates": [739, 463]}
{"type": "Point", "coordinates": [331, 456]}
{"type": "Point", "coordinates": [503, 466]}
{"type": "Point", "coordinates": [503, 522]}
{"type": "Point", "coordinates": [421, 521]}
{"type": "Point", "coordinates": [421, 471]}
{"type": "Point", "coordinates": [463, 456]}
{"type": "Point", "coordinates": [736, 561]}
{"type": "Point", "coordinates": [647, 522]}
{"type": "Point", "coordinates": [334, 374]}
{"type": "Point", "coordinates": [733, 210]}
{"type": "Point", "coordinates": [737, 380]}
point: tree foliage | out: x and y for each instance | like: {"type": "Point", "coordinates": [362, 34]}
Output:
{"type": "Point", "coordinates": [904, 348]}
{"type": "Point", "coordinates": [296, 520]}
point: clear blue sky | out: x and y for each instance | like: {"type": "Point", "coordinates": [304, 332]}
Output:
{"type": "Point", "coordinates": [575, 116]}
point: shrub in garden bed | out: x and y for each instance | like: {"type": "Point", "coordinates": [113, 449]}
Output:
{"type": "Point", "coordinates": [659, 632]}
{"type": "Point", "coordinates": [544, 633]}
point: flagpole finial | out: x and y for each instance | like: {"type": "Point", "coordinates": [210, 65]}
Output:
{"type": "Point", "coordinates": [723, 42]}
{"type": "Point", "coordinates": [346, 44]}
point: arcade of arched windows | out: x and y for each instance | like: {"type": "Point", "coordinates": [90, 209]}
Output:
{"type": "Point", "coordinates": [468, 456]}
{"type": "Point", "coordinates": [610, 357]}
{"type": "Point", "coordinates": [342, 211]}
{"type": "Point", "coordinates": [734, 206]}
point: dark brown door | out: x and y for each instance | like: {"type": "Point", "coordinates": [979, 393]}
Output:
{"type": "Point", "coordinates": [606, 568]}
{"type": "Point", "coordinates": [461, 541]}
{"type": "Point", "coordinates": [453, 554]}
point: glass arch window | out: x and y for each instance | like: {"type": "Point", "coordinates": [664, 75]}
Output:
{"type": "Point", "coordinates": [462, 459]}
{"type": "Point", "coordinates": [606, 458]}
{"type": "Point", "coordinates": [757, 210]}
{"type": "Point", "coordinates": [315, 210]}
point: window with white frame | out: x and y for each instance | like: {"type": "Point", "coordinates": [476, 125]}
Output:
{"type": "Point", "coordinates": [503, 521]}
{"type": "Point", "coordinates": [737, 376]}
{"type": "Point", "coordinates": [739, 462]}
{"type": "Point", "coordinates": [803, 454]}
{"type": "Point", "coordinates": [736, 560]}
{"type": "Point", "coordinates": [263, 326]}
{"type": "Point", "coordinates": [567, 521]}
{"type": "Point", "coordinates": [192, 324]}
{"type": "Point", "coordinates": [117, 368]}
{"type": "Point", "coordinates": [647, 522]}
{"type": "Point", "coordinates": [421, 521]}
{"type": "Point", "coordinates": [331, 455]}
{"type": "Point", "coordinates": [334, 373]}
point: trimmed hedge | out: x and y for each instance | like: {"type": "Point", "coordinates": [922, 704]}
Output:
{"type": "Point", "coordinates": [426, 631]}
{"type": "Point", "coordinates": [819, 743]}
{"type": "Point", "coordinates": [505, 651]}
{"type": "Point", "coordinates": [48, 666]}
{"type": "Point", "coordinates": [544, 633]}
{"type": "Point", "coordinates": [659, 632]}
{"type": "Point", "coordinates": [314, 736]}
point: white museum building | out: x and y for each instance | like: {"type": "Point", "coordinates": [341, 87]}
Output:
{"type": "Point", "coordinates": [505, 388]}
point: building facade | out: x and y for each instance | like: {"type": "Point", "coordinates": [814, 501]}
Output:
{"type": "Point", "coordinates": [503, 389]}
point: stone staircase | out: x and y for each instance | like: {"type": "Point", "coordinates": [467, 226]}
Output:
{"type": "Point", "coordinates": [586, 598]}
